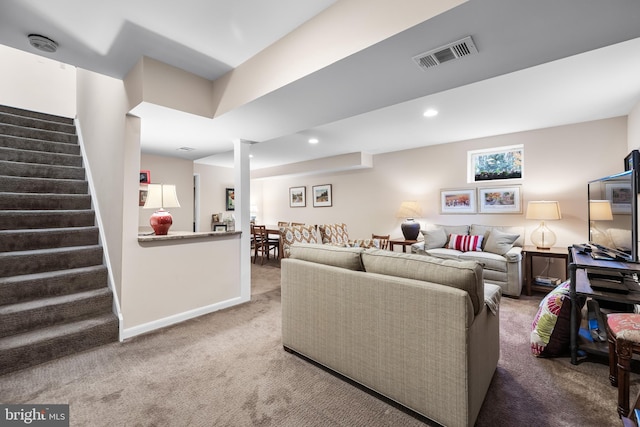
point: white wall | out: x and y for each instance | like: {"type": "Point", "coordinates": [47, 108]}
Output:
{"type": "Point", "coordinates": [37, 83]}
{"type": "Point", "coordinates": [213, 182]}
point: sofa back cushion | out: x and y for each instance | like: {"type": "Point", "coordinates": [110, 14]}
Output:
{"type": "Point", "coordinates": [334, 233]}
{"type": "Point", "coordinates": [349, 258]}
{"type": "Point", "coordinates": [465, 275]}
{"type": "Point", "coordinates": [297, 234]}
{"type": "Point", "coordinates": [486, 229]}
{"type": "Point", "coordinates": [499, 242]}
{"type": "Point", "coordinates": [438, 235]}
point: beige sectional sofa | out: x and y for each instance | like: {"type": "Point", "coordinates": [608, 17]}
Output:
{"type": "Point", "coordinates": [419, 330]}
{"type": "Point", "coordinates": [500, 251]}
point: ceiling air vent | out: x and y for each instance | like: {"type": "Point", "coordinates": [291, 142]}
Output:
{"type": "Point", "coordinates": [455, 50]}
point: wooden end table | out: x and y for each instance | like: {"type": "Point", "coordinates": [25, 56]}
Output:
{"type": "Point", "coordinates": [401, 241]}
{"type": "Point", "coordinates": [529, 252]}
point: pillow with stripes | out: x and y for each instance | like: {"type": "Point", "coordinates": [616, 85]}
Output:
{"type": "Point", "coordinates": [465, 243]}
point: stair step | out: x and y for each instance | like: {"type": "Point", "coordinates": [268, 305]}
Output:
{"type": "Point", "coordinates": [24, 240]}
{"type": "Point", "coordinates": [37, 219]}
{"type": "Point", "coordinates": [29, 349]}
{"type": "Point", "coordinates": [31, 170]}
{"type": "Point", "coordinates": [45, 135]}
{"type": "Point", "coordinates": [27, 287]}
{"type": "Point", "coordinates": [42, 260]}
{"type": "Point", "coordinates": [35, 123]}
{"type": "Point", "coordinates": [30, 144]}
{"type": "Point", "coordinates": [35, 114]}
{"type": "Point", "coordinates": [18, 184]}
{"type": "Point", "coordinates": [18, 201]}
{"type": "Point", "coordinates": [40, 157]}
{"type": "Point", "coordinates": [43, 312]}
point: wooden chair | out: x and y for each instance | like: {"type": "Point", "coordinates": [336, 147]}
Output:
{"type": "Point", "coordinates": [262, 245]}
{"type": "Point", "coordinates": [384, 240]}
{"type": "Point", "coordinates": [623, 335]}
{"type": "Point", "coordinates": [297, 223]}
{"type": "Point", "coordinates": [283, 223]}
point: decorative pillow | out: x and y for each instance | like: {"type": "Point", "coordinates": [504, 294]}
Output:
{"type": "Point", "coordinates": [436, 238]}
{"type": "Point", "coordinates": [465, 243]}
{"type": "Point", "coordinates": [297, 233]}
{"type": "Point", "coordinates": [334, 233]}
{"type": "Point", "coordinates": [551, 328]}
{"type": "Point", "coordinates": [499, 242]}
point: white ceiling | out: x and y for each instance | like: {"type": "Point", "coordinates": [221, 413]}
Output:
{"type": "Point", "coordinates": [540, 64]}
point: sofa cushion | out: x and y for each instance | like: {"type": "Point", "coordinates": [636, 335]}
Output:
{"type": "Point", "coordinates": [297, 234]}
{"type": "Point", "coordinates": [465, 275]}
{"type": "Point", "coordinates": [334, 233]}
{"type": "Point", "coordinates": [336, 256]}
{"type": "Point", "coordinates": [435, 238]}
{"type": "Point", "coordinates": [465, 243]}
{"type": "Point", "coordinates": [499, 242]}
{"type": "Point", "coordinates": [489, 261]}
{"type": "Point", "coordinates": [444, 253]}
{"type": "Point", "coordinates": [486, 229]}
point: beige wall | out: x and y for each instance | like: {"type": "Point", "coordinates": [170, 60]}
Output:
{"type": "Point", "coordinates": [213, 182]}
{"type": "Point", "coordinates": [36, 83]}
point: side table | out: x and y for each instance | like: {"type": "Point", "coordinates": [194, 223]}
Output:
{"type": "Point", "coordinates": [529, 252]}
{"type": "Point", "coordinates": [401, 242]}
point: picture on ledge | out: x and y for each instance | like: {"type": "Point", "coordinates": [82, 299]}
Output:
{"type": "Point", "coordinates": [495, 163]}
{"type": "Point", "coordinates": [458, 201]}
{"type": "Point", "coordinates": [220, 227]}
{"type": "Point", "coordinates": [145, 177]}
{"type": "Point", "coordinates": [297, 197]}
{"type": "Point", "coordinates": [142, 197]}
{"type": "Point", "coordinates": [230, 199]}
{"type": "Point", "coordinates": [620, 197]}
{"type": "Point", "coordinates": [322, 195]}
{"type": "Point", "coordinates": [500, 200]}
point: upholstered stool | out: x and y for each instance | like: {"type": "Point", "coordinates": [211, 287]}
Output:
{"type": "Point", "coordinates": [623, 334]}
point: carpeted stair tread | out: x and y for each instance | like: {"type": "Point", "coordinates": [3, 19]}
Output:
{"type": "Point", "coordinates": [19, 184]}
{"type": "Point", "coordinates": [30, 144]}
{"type": "Point", "coordinates": [22, 240]}
{"type": "Point", "coordinates": [26, 287]}
{"type": "Point", "coordinates": [46, 135]}
{"type": "Point", "coordinates": [32, 348]}
{"type": "Point", "coordinates": [54, 259]}
{"type": "Point", "coordinates": [36, 123]}
{"type": "Point", "coordinates": [36, 114]}
{"type": "Point", "coordinates": [34, 170]}
{"type": "Point", "coordinates": [35, 219]}
{"type": "Point", "coordinates": [20, 201]}
{"type": "Point", "coordinates": [40, 157]}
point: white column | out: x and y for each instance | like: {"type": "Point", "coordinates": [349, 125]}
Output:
{"type": "Point", "coordinates": [242, 178]}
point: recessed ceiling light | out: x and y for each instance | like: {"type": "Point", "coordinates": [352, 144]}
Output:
{"type": "Point", "coordinates": [313, 141]}
{"type": "Point", "coordinates": [185, 149]}
{"type": "Point", "coordinates": [42, 43]}
{"type": "Point", "coordinates": [431, 113]}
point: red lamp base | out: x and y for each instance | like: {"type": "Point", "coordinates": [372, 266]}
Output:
{"type": "Point", "coordinates": [161, 221]}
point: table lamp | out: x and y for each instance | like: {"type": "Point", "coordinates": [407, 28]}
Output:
{"type": "Point", "coordinates": [543, 210]}
{"type": "Point", "coordinates": [161, 196]}
{"type": "Point", "coordinates": [410, 210]}
{"type": "Point", "coordinates": [599, 210]}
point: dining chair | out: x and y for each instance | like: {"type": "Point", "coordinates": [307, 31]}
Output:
{"type": "Point", "coordinates": [283, 223]}
{"type": "Point", "coordinates": [262, 245]}
{"type": "Point", "coordinates": [297, 223]}
{"type": "Point", "coordinates": [383, 239]}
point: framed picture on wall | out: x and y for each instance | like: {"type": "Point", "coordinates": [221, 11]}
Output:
{"type": "Point", "coordinates": [297, 197]}
{"type": "Point", "coordinates": [495, 163]}
{"type": "Point", "coordinates": [230, 199]}
{"type": "Point", "coordinates": [145, 177]}
{"type": "Point", "coordinates": [322, 196]}
{"type": "Point", "coordinates": [458, 201]}
{"type": "Point", "coordinates": [500, 200]}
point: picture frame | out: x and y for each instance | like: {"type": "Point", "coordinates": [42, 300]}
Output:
{"type": "Point", "coordinates": [145, 177]}
{"type": "Point", "coordinates": [297, 197]}
{"type": "Point", "coordinates": [142, 196]}
{"type": "Point", "coordinates": [500, 200]}
{"type": "Point", "coordinates": [215, 218]}
{"type": "Point", "coordinates": [219, 227]}
{"type": "Point", "coordinates": [620, 196]}
{"type": "Point", "coordinates": [502, 163]}
{"type": "Point", "coordinates": [322, 196]}
{"type": "Point", "coordinates": [229, 199]}
{"type": "Point", "coordinates": [458, 201]}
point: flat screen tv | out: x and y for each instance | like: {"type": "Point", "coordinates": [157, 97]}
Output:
{"type": "Point", "coordinates": [613, 216]}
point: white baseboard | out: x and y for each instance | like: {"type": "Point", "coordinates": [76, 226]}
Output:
{"type": "Point", "coordinates": [180, 317]}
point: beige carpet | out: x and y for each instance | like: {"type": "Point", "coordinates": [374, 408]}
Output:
{"type": "Point", "coordinates": [228, 369]}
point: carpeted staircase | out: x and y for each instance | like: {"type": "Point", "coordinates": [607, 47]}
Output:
{"type": "Point", "coordinates": [54, 296]}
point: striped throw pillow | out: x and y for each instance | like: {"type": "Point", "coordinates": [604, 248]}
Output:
{"type": "Point", "coordinates": [465, 243]}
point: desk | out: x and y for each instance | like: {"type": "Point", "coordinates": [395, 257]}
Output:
{"type": "Point", "coordinates": [402, 242]}
{"type": "Point", "coordinates": [529, 252]}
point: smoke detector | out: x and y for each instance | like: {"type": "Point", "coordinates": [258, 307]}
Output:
{"type": "Point", "coordinates": [42, 43]}
{"type": "Point", "coordinates": [446, 53]}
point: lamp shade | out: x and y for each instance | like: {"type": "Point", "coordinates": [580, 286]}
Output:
{"type": "Point", "coordinates": [410, 210]}
{"type": "Point", "coordinates": [161, 196]}
{"type": "Point", "coordinates": [600, 210]}
{"type": "Point", "coordinates": [544, 210]}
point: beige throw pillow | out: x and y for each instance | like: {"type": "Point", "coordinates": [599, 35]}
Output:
{"type": "Point", "coordinates": [499, 242]}
{"type": "Point", "coordinates": [436, 238]}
